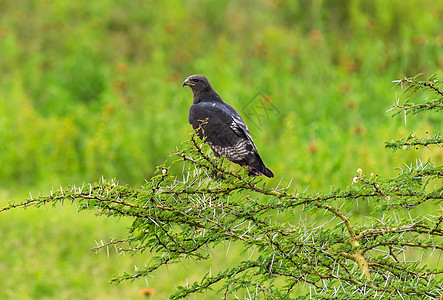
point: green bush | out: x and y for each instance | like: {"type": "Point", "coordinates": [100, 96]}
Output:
{"type": "Point", "coordinates": [389, 252]}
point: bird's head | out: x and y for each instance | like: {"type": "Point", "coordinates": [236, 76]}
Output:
{"type": "Point", "coordinates": [197, 83]}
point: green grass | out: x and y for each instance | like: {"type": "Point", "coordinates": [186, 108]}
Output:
{"type": "Point", "coordinates": [91, 89]}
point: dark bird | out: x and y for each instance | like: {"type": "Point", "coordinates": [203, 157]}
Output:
{"type": "Point", "coordinates": [224, 129]}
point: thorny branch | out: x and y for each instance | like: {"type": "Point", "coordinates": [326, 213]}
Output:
{"type": "Point", "coordinates": [203, 210]}
{"type": "Point", "coordinates": [338, 255]}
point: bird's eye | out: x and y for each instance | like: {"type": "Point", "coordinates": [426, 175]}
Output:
{"type": "Point", "coordinates": [195, 80]}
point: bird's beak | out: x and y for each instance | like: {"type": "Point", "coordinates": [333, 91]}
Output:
{"type": "Point", "coordinates": [186, 82]}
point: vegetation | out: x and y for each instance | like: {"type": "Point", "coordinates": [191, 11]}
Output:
{"type": "Point", "coordinates": [94, 89]}
{"type": "Point", "coordinates": [184, 216]}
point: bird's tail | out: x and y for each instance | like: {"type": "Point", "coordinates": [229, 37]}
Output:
{"type": "Point", "coordinates": [260, 169]}
{"type": "Point", "coordinates": [267, 172]}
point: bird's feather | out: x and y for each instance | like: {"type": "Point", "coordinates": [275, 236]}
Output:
{"type": "Point", "coordinates": [224, 128]}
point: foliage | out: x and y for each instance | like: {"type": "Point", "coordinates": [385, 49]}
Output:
{"type": "Point", "coordinates": [184, 216]}
{"type": "Point", "coordinates": [93, 88]}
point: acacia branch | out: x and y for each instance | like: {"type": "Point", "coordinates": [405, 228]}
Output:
{"type": "Point", "coordinates": [183, 216]}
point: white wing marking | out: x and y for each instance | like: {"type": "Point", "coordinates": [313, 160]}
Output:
{"type": "Point", "coordinates": [234, 153]}
{"type": "Point", "coordinates": [239, 126]}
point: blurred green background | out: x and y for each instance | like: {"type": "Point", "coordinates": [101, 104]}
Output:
{"type": "Point", "coordinates": [93, 88]}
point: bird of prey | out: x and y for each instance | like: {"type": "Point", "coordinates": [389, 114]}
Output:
{"type": "Point", "coordinates": [224, 129]}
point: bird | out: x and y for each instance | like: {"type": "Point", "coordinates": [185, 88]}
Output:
{"type": "Point", "coordinates": [223, 127]}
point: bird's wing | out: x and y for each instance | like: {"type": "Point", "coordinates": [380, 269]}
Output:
{"type": "Point", "coordinates": [239, 125]}
{"type": "Point", "coordinates": [218, 128]}
{"type": "Point", "coordinates": [221, 119]}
